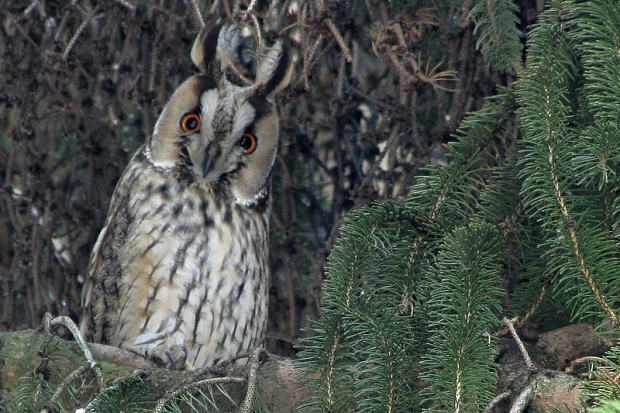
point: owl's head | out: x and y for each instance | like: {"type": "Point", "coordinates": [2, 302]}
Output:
{"type": "Point", "coordinates": [220, 129]}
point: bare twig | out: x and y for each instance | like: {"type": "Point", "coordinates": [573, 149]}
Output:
{"type": "Point", "coordinates": [510, 324]}
{"type": "Point", "coordinates": [283, 338]}
{"type": "Point", "coordinates": [126, 4]}
{"type": "Point", "coordinates": [201, 21]}
{"type": "Point", "coordinates": [583, 360]}
{"type": "Point", "coordinates": [407, 77]}
{"type": "Point", "coordinates": [523, 400]}
{"type": "Point", "coordinates": [79, 31]}
{"type": "Point", "coordinates": [249, 10]}
{"type": "Point", "coordinates": [308, 60]}
{"type": "Point", "coordinates": [232, 359]}
{"type": "Point", "coordinates": [370, 99]}
{"type": "Point", "coordinates": [246, 407]}
{"type": "Point", "coordinates": [342, 76]}
{"type": "Point", "coordinates": [238, 73]}
{"type": "Point", "coordinates": [497, 399]}
{"type": "Point", "coordinates": [30, 8]}
{"type": "Point", "coordinates": [214, 7]}
{"type": "Point", "coordinates": [119, 356]}
{"type": "Point", "coordinates": [341, 42]}
{"type": "Point", "coordinates": [257, 30]}
{"type": "Point", "coordinates": [48, 323]}
{"type": "Point", "coordinates": [61, 25]}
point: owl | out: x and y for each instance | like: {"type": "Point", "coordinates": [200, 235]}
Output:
{"type": "Point", "coordinates": [179, 273]}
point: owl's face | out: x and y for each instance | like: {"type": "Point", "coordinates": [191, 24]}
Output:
{"type": "Point", "coordinates": [220, 134]}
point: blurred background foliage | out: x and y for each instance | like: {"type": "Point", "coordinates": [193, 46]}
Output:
{"type": "Point", "coordinates": [378, 89]}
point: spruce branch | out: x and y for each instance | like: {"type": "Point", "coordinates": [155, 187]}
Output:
{"type": "Point", "coordinates": [607, 406]}
{"type": "Point", "coordinates": [605, 379]}
{"type": "Point", "coordinates": [499, 37]}
{"type": "Point", "coordinates": [330, 388]}
{"type": "Point", "coordinates": [596, 33]}
{"type": "Point", "coordinates": [459, 359]}
{"type": "Point", "coordinates": [521, 320]}
{"type": "Point", "coordinates": [363, 311]}
{"type": "Point", "coordinates": [66, 384]}
{"type": "Point", "coordinates": [168, 398]}
{"type": "Point", "coordinates": [130, 394]}
{"type": "Point", "coordinates": [570, 223]}
{"type": "Point", "coordinates": [551, 126]}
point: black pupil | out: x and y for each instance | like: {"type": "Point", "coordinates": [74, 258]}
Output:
{"type": "Point", "coordinates": [191, 123]}
{"type": "Point", "coordinates": [245, 143]}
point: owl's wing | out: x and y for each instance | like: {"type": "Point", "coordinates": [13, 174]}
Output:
{"type": "Point", "coordinates": [100, 293]}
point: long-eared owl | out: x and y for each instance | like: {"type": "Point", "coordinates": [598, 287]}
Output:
{"type": "Point", "coordinates": [180, 271]}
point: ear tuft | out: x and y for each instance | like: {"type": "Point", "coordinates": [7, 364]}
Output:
{"type": "Point", "coordinates": [205, 47]}
{"type": "Point", "coordinates": [275, 69]}
{"type": "Point", "coordinates": [216, 49]}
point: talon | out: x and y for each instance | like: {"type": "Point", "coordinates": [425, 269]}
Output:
{"type": "Point", "coordinates": [170, 358]}
{"type": "Point", "coordinates": [177, 357]}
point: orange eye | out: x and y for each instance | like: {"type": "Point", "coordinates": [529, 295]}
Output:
{"type": "Point", "coordinates": [247, 143]}
{"type": "Point", "coordinates": [190, 122]}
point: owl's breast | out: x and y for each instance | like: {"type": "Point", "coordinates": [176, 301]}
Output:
{"type": "Point", "coordinates": [195, 269]}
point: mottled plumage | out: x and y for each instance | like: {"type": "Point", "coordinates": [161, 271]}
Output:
{"type": "Point", "coordinates": [180, 271]}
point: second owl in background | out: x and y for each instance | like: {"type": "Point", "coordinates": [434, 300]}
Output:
{"type": "Point", "coordinates": [180, 271]}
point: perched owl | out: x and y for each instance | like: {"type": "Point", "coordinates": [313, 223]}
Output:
{"type": "Point", "coordinates": [180, 271]}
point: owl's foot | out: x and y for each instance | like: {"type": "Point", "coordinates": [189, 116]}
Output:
{"type": "Point", "coordinates": [162, 351]}
{"type": "Point", "coordinates": [175, 358]}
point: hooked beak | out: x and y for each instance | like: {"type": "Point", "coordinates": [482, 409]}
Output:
{"type": "Point", "coordinates": [211, 155]}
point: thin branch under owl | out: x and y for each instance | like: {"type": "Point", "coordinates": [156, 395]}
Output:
{"type": "Point", "coordinates": [179, 273]}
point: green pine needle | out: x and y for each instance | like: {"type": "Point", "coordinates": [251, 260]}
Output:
{"type": "Point", "coordinates": [129, 395]}
{"type": "Point", "coordinates": [498, 34]}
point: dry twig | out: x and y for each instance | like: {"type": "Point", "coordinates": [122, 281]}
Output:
{"type": "Point", "coordinates": [526, 357]}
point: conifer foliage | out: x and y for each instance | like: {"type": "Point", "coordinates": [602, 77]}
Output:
{"type": "Point", "coordinates": [413, 300]}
